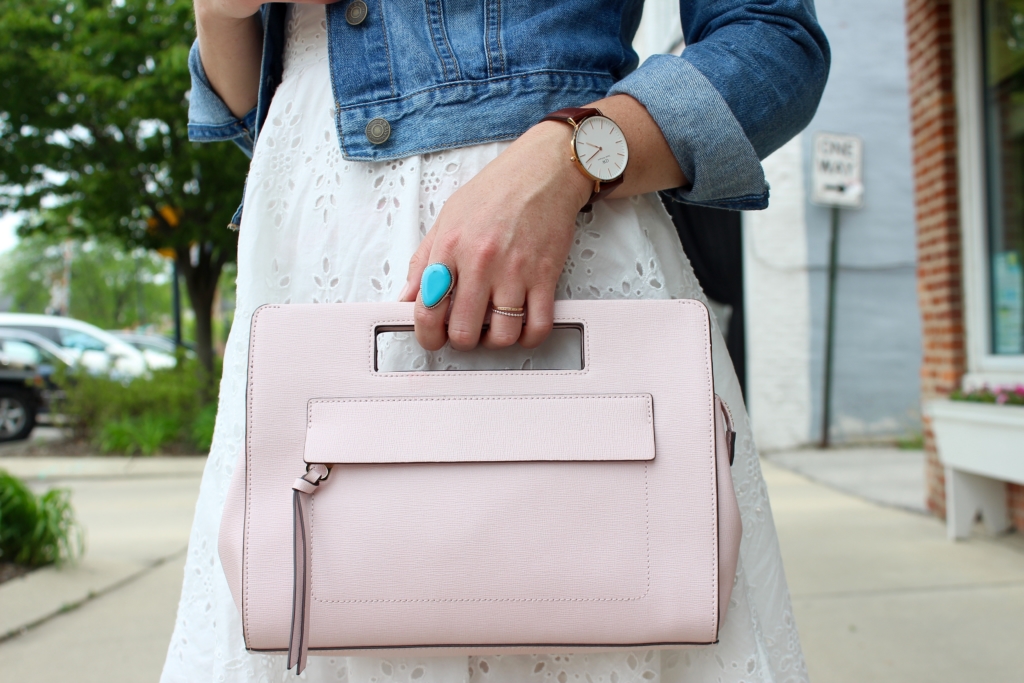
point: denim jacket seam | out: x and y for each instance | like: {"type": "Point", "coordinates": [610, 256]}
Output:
{"type": "Point", "coordinates": [433, 40]}
{"type": "Point", "coordinates": [487, 39]}
{"type": "Point", "coordinates": [387, 48]}
{"type": "Point", "coordinates": [448, 46]}
{"type": "Point", "coordinates": [476, 83]}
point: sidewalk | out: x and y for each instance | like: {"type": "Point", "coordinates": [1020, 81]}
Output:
{"type": "Point", "coordinates": [879, 595]}
{"type": "Point", "coordinates": [137, 514]}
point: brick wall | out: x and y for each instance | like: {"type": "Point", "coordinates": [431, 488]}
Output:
{"type": "Point", "coordinates": [933, 129]}
{"type": "Point", "coordinates": [1016, 501]}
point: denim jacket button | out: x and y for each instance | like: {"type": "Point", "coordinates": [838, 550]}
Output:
{"type": "Point", "coordinates": [355, 13]}
{"type": "Point", "coordinates": [378, 130]}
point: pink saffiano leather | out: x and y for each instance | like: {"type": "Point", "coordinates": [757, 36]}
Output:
{"type": "Point", "coordinates": [481, 512]}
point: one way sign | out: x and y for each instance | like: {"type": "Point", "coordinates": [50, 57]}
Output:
{"type": "Point", "coordinates": [836, 174]}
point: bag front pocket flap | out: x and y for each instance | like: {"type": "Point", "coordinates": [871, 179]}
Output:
{"type": "Point", "coordinates": [606, 427]}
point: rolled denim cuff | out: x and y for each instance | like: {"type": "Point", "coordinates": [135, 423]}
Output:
{"type": "Point", "coordinates": [209, 119]}
{"type": "Point", "coordinates": [706, 138]}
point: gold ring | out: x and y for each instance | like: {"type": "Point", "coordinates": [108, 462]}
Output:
{"type": "Point", "coordinates": [508, 309]}
{"type": "Point", "coordinates": [510, 313]}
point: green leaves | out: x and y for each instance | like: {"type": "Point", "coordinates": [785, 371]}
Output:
{"type": "Point", "coordinates": [168, 409]}
{"type": "Point", "coordinates": [36, 530]}
{"type": "Point", "coordinates": [93, 114]}
{"type": "Point", "coordinates": [93, 135]}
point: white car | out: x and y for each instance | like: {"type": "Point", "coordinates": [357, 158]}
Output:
{"type": "Point", "coordinates": [94, 349]}
{"type": "Point", "coordinates": [159, 351]}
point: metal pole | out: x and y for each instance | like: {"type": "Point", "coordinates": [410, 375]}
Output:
{"type": "Point", "coordinates": [176, 302]}
{"type": "Point", "coordinates": [830, 327]}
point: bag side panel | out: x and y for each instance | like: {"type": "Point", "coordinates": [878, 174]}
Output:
{"type": "Point", "coordinates": [730, 528]}
{"type": "Point", "coordinates": [229, 539]}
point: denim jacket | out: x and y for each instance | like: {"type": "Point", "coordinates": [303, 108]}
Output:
{"type": "Point", "coordinates": [452, 73]}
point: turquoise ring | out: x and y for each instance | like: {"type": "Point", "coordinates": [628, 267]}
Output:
{"type": "Point", "coordinates": [435, 284]}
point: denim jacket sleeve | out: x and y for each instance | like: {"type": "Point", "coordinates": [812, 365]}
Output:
{"type": "Point", "coordinates": [209, 119]}
{"type": "Point", "coordinates": [749, 79]}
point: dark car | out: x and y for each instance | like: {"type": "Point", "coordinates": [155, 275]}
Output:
{"type": "Point", "coordinates": [27, 364]}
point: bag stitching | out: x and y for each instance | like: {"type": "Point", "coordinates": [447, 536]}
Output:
{"type": "Point", "coordinates": [647, 589]}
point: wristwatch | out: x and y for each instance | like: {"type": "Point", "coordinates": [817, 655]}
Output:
{"type": "Point", "coordinates": [598, 148]}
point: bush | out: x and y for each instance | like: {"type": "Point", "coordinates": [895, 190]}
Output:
{"type": "Point", "coordinates": [168, 409]}
{"type": "Point", "coordinates": [144, 434]}
{"type": "Point", "coordinates": [36, 530]}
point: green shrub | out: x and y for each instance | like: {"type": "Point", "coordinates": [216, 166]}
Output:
{"type": "Point", "coordinates": [144, 434]}
{"type": "Point", "coordinates": [36, 530]}
{"type": "Point", "coordinates": [168, 408]}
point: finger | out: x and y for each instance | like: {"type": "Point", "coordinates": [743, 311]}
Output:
{"type": "Point", "coordinates": [540, 316]}
{"type": "Point", "coordinates": [505, 330]}
{"type": "Point", "coordinates": [469, 307]}
{"type": "Point", "coordinates": [419, 261]}
{"type": "Point", "coordinates": [430, 322]}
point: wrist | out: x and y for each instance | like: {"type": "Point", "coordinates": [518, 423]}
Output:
{"type": "Point", "coordinates": [553, 140]}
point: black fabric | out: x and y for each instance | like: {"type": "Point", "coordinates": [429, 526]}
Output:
{"type": "Point", "coordinates": [713, 242]}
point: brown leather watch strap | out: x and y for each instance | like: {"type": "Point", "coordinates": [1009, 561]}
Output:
{"type": "Point", "coordinates": [575, 116]}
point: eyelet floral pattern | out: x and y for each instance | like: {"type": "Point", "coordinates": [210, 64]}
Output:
{"type": "Point", "coordinates": [320, 229]}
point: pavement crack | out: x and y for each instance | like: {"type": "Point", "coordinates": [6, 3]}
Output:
{"type": "Point", "coordinates": [91, 595]}
{"type": "Point", "coordinates": [908, 590]}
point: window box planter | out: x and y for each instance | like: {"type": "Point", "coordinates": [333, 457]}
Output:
{"type": "Point", "coordinates": [982, 447]}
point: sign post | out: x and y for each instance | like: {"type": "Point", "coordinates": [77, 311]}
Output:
{"type": "Point", "coordinates": [836, 181]}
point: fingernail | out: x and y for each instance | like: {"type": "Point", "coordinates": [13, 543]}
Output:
{"type": "Point", "coordinates": [405, 290]}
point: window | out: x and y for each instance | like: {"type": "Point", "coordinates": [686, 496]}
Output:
{"type": "Point", "coordinates": [80, 341]}
{"type": "Point", "coordinates": [20, 353]}
{"type": "Point", "coordinates": [1003, 31]}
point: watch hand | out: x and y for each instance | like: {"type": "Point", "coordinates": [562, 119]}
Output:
{"type": "Point", "coordinates": [588, 143]}
{"type": "Point", "coordinates": [599, 150]}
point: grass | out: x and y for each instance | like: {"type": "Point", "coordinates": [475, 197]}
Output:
{"type": "Point", "coordinates": [37, 530]}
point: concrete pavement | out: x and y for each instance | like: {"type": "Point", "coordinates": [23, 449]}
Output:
{"type": "Point", "coordinates": [890, 476]}
{"type": "Point", "coordinates": [879, 594]}
{"type": "Point", "coordinates": [137, 514]}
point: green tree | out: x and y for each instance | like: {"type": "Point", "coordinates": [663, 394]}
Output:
{"type": "Point", "coordinates": [93, 105]}
{"type": "Point", "coordinates": [110, 288]}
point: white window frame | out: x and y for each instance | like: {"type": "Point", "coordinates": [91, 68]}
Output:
{"type": "Point", "coordinates": [983, 366]}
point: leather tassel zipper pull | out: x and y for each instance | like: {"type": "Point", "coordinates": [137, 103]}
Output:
{"type": "Point", "coordinates": [302, 498]}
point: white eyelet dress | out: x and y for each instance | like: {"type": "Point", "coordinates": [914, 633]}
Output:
{"type": "Point", "coordinates": [317, 228]}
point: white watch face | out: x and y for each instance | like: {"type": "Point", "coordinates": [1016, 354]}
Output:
{"type": "Point", "coordinates": [601, 148]}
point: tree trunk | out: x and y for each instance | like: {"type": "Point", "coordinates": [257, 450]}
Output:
{"type": "Point", "coordinates": [201, 278]}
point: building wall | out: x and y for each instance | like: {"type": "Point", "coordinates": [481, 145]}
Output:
{"type": "Point", "coordinates": [939, 237]}
{"type": "Point", "coordinates": [877, 342]}
{"type": "Point", "coordinates": [933, 122]}
{"type": "Point", "coordinates": [777, 305]}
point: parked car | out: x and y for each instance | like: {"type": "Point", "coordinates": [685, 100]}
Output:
{"type": "Point", "coordinates": [94, 349]}
{"type": "Point", "coordinates": [27, 390]}
{"type": "Point", "coordinates": [159, 351]}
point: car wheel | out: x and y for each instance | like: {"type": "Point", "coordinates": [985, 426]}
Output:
{"type": "Point", "coordinates": [17, 415]}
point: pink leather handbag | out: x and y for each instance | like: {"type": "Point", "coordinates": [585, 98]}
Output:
{"type": "Point", "coordinates": [481, 512]}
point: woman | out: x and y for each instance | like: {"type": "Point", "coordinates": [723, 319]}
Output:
{"type": "Point", "coordinates": [379, 131]}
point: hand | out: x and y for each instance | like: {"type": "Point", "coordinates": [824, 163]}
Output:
{"type": "Point", "coordinates": [505, 236]}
